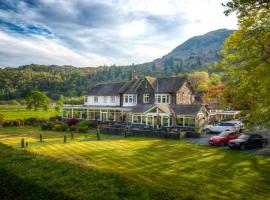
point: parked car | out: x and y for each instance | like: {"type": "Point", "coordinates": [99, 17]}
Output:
{"type": "Point", "coordinates": [248, 141]}
{"type": "Point", "coordinates": [220, 127]}
{"type": "Point", "coordinates": [223, 138]}
{"type": "Point", "coordinates": [238, 123]}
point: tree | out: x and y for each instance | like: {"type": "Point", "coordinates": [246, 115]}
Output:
{"type": "Point", "coordinates": [199, 80]}
{"type": "Point", "coordinates": [58, 106]}
{"type": "Point", "coordinates": [36, 99]}
{"type": "Point", "coordinates": [246, 60]}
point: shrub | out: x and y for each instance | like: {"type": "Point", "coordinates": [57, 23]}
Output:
{"type": "Point", "coordinates": [57, 127]}
{"type": "Point", "coordinates": [85, 123]}
{"type": "Point", "coordinates": [64, 127]}
{"type": "Point", "coordinates": [16, 122]}
{"type": "Point", "coordinates": [72, 121]}
{"type": "Point", "coordinates": [7, 123]}
{"type": "Point", "coordinates": [47, 126]}
{"type": "Point", "coordinates": [21, 121]}
{"type": "Point", "coordinates": [72, 128]}
{"type": "Point", "coordinates": [54, 119]}
{"type": "Point", "coordinates": [83, 129]}
{"type": "Point", "coordinates": [30, 121]}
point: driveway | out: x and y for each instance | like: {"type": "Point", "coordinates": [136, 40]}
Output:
{"type": "Point", "coordinates": [203, 140]}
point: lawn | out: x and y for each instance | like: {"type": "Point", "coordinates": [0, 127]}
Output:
{"type": "Point", "coordinates": [20, 112]}
{"type": "Point", "coordinates": [186, 170]}
{"type": "Point", "coordinates": [31, 134]}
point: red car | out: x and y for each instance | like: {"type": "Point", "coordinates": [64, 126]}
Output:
{"type": "Point", "coordinates": [223, 138]}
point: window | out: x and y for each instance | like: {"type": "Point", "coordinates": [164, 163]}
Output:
{"type": "Point", "coordinates": [162, 98]}
{"type": "Point", "coordinates": [126, 99]}
{"type": "Point", "coordinates": [104, 99]}
{"type": "Point", "coordinates": [95, 99]}
{"type": "Point", "coordinates": [130, 98]}
{"type": "Point", "coordinates": [112, 99]}
{"type": "Point", "coordinates": [145, 98]}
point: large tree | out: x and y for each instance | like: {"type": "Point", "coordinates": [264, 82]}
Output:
{"type": "Point", "coordinates": [246, 60]}
{"type": "Point", "coordinates": [36, 99]}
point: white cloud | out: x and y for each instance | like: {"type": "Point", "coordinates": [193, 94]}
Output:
{"type": "Point", "coordinates": [93, 33]}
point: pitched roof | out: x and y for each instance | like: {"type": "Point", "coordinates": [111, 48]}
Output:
{"type": "Point", "coordinates": [160, 85]}
{"type": "Point", "coordinates": [131, 87]}
{"type": "Point", "coordinates": [106, 89]}
{"type": "Point", "coordinates": [170, 84]}
{"type": "Point", "coordinates": [151, 80]}
{"type": "Point", "coordinates": [141, 108]}
{"type": "Point", "coordinates": [190, 109]}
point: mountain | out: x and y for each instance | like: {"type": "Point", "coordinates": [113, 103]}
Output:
{"type": "Point", "coordinates": [197, 53]}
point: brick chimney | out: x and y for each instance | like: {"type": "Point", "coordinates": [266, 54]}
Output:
{"type": "Point", "coordinates": [134, 75]}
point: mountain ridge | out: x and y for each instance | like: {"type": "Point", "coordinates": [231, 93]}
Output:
{"type": "Point", "coordinates": [196, 53]}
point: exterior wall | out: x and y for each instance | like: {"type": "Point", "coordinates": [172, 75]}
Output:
{"type": "Point", "coordinates": [166, 94]}
{"type": "Point", "coordinates": [102, 101]}
{"type": "Point", "coordinates": [146, 88]}
{"type": "Point", "coordinates": [129, 104]}
{"type": "Point", "coordinates": [184, 95]}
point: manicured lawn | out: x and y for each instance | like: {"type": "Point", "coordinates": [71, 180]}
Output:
{"type": "Point", "coordinates": [13, 135]}
{"type": "Point", "coordinates": [20, 112]}
{"type": "Point", "coordinates": [187, 170]}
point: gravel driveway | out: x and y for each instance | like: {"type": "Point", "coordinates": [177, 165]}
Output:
{"type": "Point", "coordinates": [203, 140]}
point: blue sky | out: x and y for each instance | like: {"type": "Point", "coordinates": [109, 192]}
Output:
{"type": "Point", "coordinates": [90, 33]}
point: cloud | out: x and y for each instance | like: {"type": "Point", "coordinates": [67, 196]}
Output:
{"type": "Point", "coordinates": [93, 33]}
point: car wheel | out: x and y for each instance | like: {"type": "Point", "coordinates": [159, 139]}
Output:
{"type": "Point", "coordinates": [263, 145]}
{"type": "Point", "coordinates": [242, 147]}
{"type": "Point", "coordinates": [207, 131]}
{"type": "Point", "coordinates": [222, 144]}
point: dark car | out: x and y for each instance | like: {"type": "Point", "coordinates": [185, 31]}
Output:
{"type": "Point", "coordinates": [248, 141]}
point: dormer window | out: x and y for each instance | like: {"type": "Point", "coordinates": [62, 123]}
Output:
{"type": "Point", "coordinates": [146, 98]}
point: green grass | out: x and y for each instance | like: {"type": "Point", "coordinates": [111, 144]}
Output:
{"type": "Point", "coordinates": [187, 170]}
{"type": "Point", "coordinates": [20, 112]}
{"type": "Point", "coordinates": [13, 135]}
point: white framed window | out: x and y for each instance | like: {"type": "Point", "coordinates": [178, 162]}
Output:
{"type": "Point", "coordinates": [130, 98]}
{"type": "Point", "coordinates": [162, 98]}
{"type": "Point", "coordinates": [112, 99]}
{"type": "Point", "coordinates": [146, 98]}
{"type": "Point", "coordinates": [95, 99]}
{"type": "Point", "coordinates": [105, 99]}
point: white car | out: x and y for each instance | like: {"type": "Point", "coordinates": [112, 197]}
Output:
{"type": "Point", "coordinates": [222, 126]}
{"type": "Point", "coordinates": [238, 123]}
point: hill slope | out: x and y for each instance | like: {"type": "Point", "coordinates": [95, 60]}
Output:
{"type": "Point", "coordinates": [196, 53]}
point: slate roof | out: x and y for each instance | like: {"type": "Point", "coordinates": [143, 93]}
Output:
{"type": "Point", "coordinates": [170, 84]}
{"type": "Point", "coordinates": [160, 85]}
{"type": "Point", "coordinates": [141, 108]}
{"type": "Point", "coordinates": [190, 109]}
{"type": "Point", "coordinates": [106, 89]}
{"type": "Point", "coordinates": [131, 87]}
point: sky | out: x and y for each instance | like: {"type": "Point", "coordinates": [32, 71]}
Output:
{"type": "Point", "coordinates": [91, 33]}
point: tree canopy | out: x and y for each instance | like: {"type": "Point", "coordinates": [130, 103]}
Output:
{"type": "Point", "coordinates": [36, 99]}
{"type": "Point", "coordinates": [246, 59]}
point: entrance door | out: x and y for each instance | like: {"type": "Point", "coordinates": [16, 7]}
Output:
{"type": "Point", "coordinates": [104, 116]}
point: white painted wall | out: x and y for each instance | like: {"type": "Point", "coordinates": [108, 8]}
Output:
{"type": "Point", "coordinates": [102, 101]}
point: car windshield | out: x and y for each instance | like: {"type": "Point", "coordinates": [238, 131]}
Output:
{"type": "Point", "coordinates": [224, 134]}
{"type": "Point", "coordinates": [244, 137]}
